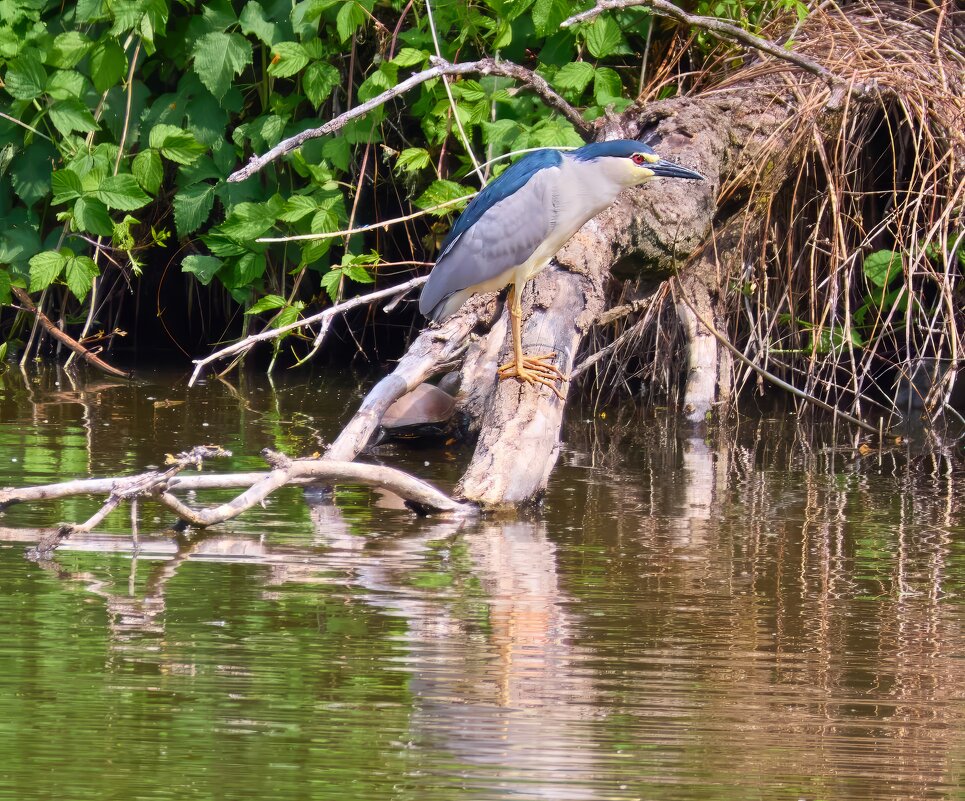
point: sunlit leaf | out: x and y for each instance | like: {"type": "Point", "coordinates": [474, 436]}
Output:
{"type": "Point", "coordinates": [46, 267]}
{"type": "Point", "coordinates": [71, 115]}
{"type": "Point", "coordinates": [147, 170]}
{"type": "Point", "coordinates": [66, 186]}
{"type": "Point", "coordinates": [882, 266]}
{"type": "Point", "coordinates": [68, 49]}
{"type": "Point", "coordinates": [254, 23]}
{"type": "Point", "coordinates": [203, 268]}
{"type": "Point", "coordinates": [319, 81]}
{"type": "Point", "coordinates": [91, 215]}
{"type": "Point", "coordinates": [122, 192]}
{"type": "Point", "coordinates": [267, 303]}
{"type": "Point", "coordinates": [108, 63]}
{"type": "Point", "coordinates": [79, 275]}
{"type": "Point", "coordinates": [218, 58]}
{"type": "Point", "coordinates": [287, 59]}
{"type": "Point", "coordinates": [192, 207]}
{"type": "Point", "coordinates": [25, 77]}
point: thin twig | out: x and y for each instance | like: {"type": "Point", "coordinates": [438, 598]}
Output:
{"type": "Point", "coordinates": [248, 342]}
{"type": "Point", "coordinates": [485, 66]}
{"type": "Point", "coordinates": [452, 101]}
{"type": "Point", "coordinates": [712, 24]}
{"type": "Point", "coordinates": [363, 228]}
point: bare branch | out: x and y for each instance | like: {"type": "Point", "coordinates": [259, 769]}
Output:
{"type": "Point", "coordinates": [422, 496]}
{"type": "Point", "coordinates": [91, 358]}
{"type": "Point", "coordinates": [485, 66]}
{"type": "Point", "coordinates": [723, 29]}
{"type": "Point", "coordinates": [323, 317]}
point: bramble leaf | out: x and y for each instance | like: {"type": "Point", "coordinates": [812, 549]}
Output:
{"type": "Point", "coordinates": [287, 59]}
{"type": "Point", "coordinates": [108, 61]}
{"type": "Point", "coordinates": [90, 214]}
{"type": "Point", "coordinates": [192, 207]}
{"type": "Point", "coordinates": [79, 274]}
{"type": "Point", "coordinates": [121, 192]}
{"type": "Point", "coordinates": [204, 268]}
{"type": "Point", "coordinates": [147, 170]}
{"type": "Point", "coordinates": [46, 267]}
{"type": "Point", "coordinates": [218, 58]}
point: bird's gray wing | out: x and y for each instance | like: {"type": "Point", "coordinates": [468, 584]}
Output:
{"type": "Point", "coordinates": [504, 237]}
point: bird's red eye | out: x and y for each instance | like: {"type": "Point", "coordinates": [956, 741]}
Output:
{"type": "Point", "coordinates": [638, 159]}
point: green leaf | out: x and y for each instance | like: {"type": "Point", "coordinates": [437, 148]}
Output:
{"type": "Point", "coordinates": [331, 281]}
{"type": "Point", "coordinates": [338, 151]}
{"type": "Point", "coordinates": [267, 303]}
{"type": "Point", "coordinates": [378, 81]}
{"type": "Point", "coordinates": [319, 81]}
{"type": "Point", "coordinates": [247, 221]}
{"type": "Point", "coordinates": [350, 17]}
{"type": "Point", "coordinates": [287, 59]}
{"type": "Point", "coordinates": [121, 192]}
{"type": "Point", "coordinates": [603, 37]}
{"type": "Point", "coordinates": [412, 159]}
{"type": "Point", "coordinates": [108, 63]}
{"type": "Point", "coordinates": [548, 14]}
{"type": "Point", "coordinates": [90, 214]}
{"type": "Point", "coordinates": [441, 192]}
{"type": "Point", "coordinates": [574, 77]}
{"type": "Point", "coordinates": [71, 115]}
{"type": "Point", "coordinates": [203, 268]}
{"type": "Point", "coordinates": [410, 57]}
{"type": "Point", "coordinates": [286, 317]}
{"type": "Point", "coordinates": [66, 84]}
{"type": "Point", "coordinates": [359, 274]}
{"type": "Point", "coordinates": [248, 269]}
{"type": "Point", "coordinates": [176, 144]}
{"type": "Point", "coordinates": [218, 58]}
{"type": "Point", "coordinates": [46, 267]}
{"type": "Point", "coordinates": [254, 23]}
{"type": "Point", "coordinates": [79, 275]}
{"type": "Point", "coordinates": [30, 171]}
{"type": "Point", "coordinates": [297, 207]}
{"type": "Point", "coordinates": [882, 266]}
{"type": "Point", "coordinates": [147, 170]}
{"type": "Point", "coordinates": [192, 207]}
{"type": "Point", "coordinates": [68, 49]}
{"type": "Point", "coordinates": [607, 86]}
{"type": "Point", "coordinates": [66, 186]}
{"type": "Point", "coordinates": [5, 297]}
{"type": "Point", "coordinates": [25, 78]}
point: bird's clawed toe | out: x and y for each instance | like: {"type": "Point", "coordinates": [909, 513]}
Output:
{"type": "Point", "coordinates": [534, 370]}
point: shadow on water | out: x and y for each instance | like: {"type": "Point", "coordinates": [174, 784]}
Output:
{"type": "Point", "coordinates": [764, 618]}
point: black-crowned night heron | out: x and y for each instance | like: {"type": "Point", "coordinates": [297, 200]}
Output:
{"type": "Point", "coordinates": [517, 223]}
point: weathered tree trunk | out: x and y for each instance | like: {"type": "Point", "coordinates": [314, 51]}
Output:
{"type": "Point", "coordinates": [748, 136]}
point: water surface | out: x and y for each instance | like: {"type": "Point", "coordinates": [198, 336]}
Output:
{"type": "Point", "coordinates": [757, 618]}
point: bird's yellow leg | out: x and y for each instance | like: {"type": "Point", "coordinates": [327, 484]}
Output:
{"type": "Point", "coordinates": [529, 369]}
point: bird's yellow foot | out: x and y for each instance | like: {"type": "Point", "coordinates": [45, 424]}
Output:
{"type": "Point", "coordinates": [534, 370]}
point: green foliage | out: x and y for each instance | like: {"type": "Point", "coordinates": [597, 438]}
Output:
{"type": "Point", "coordinates": [124, 119]}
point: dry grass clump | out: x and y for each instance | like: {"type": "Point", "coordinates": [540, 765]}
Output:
{"type": "Point", "coordinates": [849, 282]}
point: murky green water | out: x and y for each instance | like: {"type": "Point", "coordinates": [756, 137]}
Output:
{"type": "Point", "coordinates": [761, 620]}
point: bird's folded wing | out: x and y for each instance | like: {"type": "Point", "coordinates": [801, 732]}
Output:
{"type": "Point", "coordinates": [503, 238]}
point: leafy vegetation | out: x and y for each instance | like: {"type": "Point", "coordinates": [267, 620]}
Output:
{"type": "Point", "coordinates": [122, 120]}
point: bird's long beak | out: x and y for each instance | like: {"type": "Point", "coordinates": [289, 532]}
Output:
{"type": "Point", "coordinates": [667, 169]}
